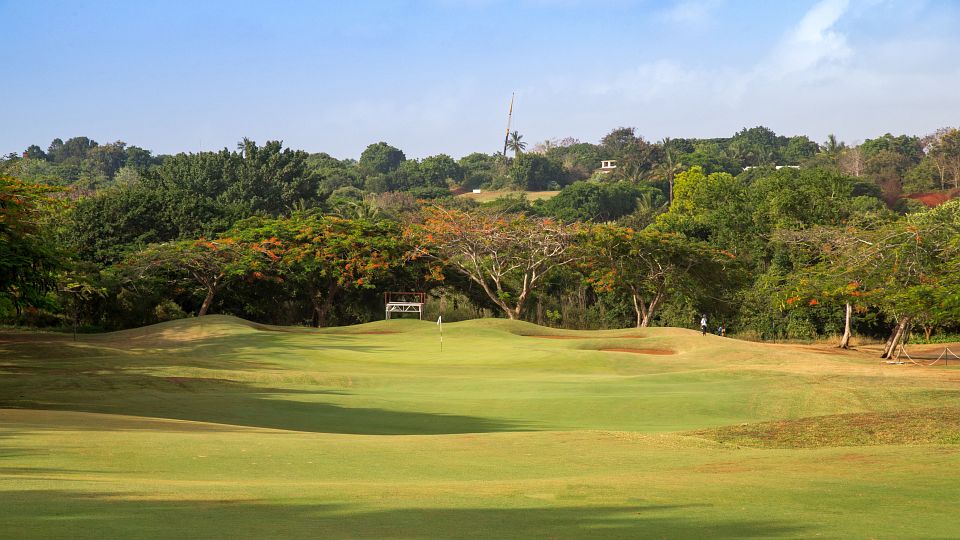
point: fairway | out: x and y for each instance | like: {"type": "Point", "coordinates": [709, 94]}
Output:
{"type": "Point", "coordinates": [220, 428]}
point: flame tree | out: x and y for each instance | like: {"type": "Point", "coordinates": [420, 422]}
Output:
{"type": "Point", "coordinates": [506, 255]}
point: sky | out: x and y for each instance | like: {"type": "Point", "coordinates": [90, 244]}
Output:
{"type": "Point", "coordinates": [436, 76]}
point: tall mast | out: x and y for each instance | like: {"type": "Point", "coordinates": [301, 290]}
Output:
{"type": "Point", "coordinates": [506, 137]}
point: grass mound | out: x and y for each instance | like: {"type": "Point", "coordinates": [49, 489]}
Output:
{"type": "Point", "coordinates": [939, 425]}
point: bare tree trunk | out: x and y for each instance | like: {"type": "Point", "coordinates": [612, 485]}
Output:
{"type": "Point", "coordinates": [648, 313]}
{"type": "Point", "coordinates": [890, 347]}
{"type": "Point", "coordinates": [211, 291]}
{"type": "Point", "coordinates": [845, 340]}
{"type": "Point", "coordinates": [638, 308]}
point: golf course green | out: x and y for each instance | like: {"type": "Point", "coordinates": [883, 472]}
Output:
{"type": "Point", "coordinates": [221, 428]}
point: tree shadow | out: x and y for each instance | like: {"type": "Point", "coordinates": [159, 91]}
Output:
{"type": "Point", "coordinates": [220, 401]}
{"type": "Point", "coordinates": [56, 513]}
{"type": "Point", "coordinates": [54, 373]}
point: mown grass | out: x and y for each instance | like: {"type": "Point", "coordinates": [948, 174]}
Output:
{"type": "Point", "coordinates": [217, 428]}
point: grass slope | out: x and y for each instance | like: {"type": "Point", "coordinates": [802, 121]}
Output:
{"type": "Point", "coordinates": [219, 427]}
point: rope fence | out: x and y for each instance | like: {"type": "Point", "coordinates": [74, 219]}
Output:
{"type": "Point", "coordinates": [945, 356]}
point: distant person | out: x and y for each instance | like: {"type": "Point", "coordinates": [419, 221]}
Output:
{"type": "Point", "coordinates": [722, 330]}
{"type": "Point", "coordinates": [703, 324]}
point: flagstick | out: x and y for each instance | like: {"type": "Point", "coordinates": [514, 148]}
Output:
{"type": "Point", "coordinates": [440, 324]}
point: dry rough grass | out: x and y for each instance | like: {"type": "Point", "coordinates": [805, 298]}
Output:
{"type": "Point", "coordinates": [909, 427]}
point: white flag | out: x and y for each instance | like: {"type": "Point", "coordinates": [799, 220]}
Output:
{"type": "Point", "coordinates": [439, 320]}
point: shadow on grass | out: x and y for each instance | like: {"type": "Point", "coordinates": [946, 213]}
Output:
{"type": "Point", "coordinates": [53, 513]}
{"type": "Point", "coordinates": [223, 402]}
{"type": "Point", "coordinates": [92, 377]}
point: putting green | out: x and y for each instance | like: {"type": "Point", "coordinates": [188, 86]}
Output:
{"type": "Point", "coordinates": [222, 428]}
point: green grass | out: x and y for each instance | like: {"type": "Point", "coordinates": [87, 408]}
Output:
{"type": "Point", "coordinates": [217, 428]}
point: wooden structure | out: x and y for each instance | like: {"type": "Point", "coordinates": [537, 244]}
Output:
{"type": "Point", "coordinates": [404, 302]}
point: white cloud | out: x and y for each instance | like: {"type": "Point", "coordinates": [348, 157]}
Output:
{"type": "Point", "coordinates": [813, 43]}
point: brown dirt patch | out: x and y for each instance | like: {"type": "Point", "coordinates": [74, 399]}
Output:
{"type": "Point", "coordinates": [657, 352]}
{"type": "Point", "coordinates": [934, 198]}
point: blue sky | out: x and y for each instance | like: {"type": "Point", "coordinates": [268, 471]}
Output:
{"type": "Point", "coordinates": [435, 76]}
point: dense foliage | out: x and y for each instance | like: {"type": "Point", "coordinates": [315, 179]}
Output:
{"type": "Point", "coordinates": [772, 236]}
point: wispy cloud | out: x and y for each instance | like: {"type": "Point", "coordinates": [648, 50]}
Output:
{"type": "Point", "coordinates": [813, 43]}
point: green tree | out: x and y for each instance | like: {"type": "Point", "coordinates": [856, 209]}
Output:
{"type": "Point", "coordinates": [438, 170]}
{"type": "Point", "coordinates": [28, 260]}
{"type": "Point", "coordinates": [533, 172]}
{"type": "Point", "coordinates": [381, 158]}
{"type": "Point", "coordinates": [650, 266]}
{"type": "Point", "coordinates": [755, 146]}
{"type": "Point", "coordinates": [210, 265]}
{"type": "Point", "coordinates": [588, 201]}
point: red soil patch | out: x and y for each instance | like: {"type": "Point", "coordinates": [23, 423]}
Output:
{"type": "Point", "coordinates": [935, 198]}
{"type": "Point", "coordinates": [659, 352]}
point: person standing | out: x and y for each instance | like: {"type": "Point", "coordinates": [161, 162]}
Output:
{"type": "Point", "coordinates": [703, 324]}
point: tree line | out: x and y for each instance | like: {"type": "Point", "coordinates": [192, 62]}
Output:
{"type": "Point", "coordinates": [111, 236]}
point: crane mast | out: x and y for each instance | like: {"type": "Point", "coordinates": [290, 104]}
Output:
{"type": "Point", "coordinates": [506, 137]}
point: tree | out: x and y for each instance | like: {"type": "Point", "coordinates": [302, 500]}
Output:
{"type": "Point", "coordinates": [74, 151]}
{"type": "Point", "coordinates": [28, 261]}
{"type": "Point", "coordinates": [381, 158]}
{"type": "Point", "coordinates": [212, 265]}
{"type": "Point", "coordinates": [508, 256]}
{"type": "Point", "coordinates": [516, 143]}
{"type": "Point", "coordinates": [906, 268]}
{"type": "Point", "coordinates": [35, 152]}
{"type": "Point", "coordinates": [799, 150]}
{"type": "Point", "coordinates": [669, 166]}
{"type": "Point", "coordinates": [650, 265]}
{"type": "Point", "coordinates": [850, 161]}
{"type": "Point", "coordinates": [103, 161]}
{"type": "Point", "coordinates": [478, 169]}
{"type": "Point", "coordinates": [755, 146]}
{"type": "Point", "coordinates": [945, 151]}
{"type": "Point", "coordinates": [823, 279]}
{"type": "Point", "coordinates": [617, 141]}
{"type": "Point", "coordinates": [715, 208]}
{"type": "Point", "coordinates": [324, 257]}
{"type": "Point", "coordinates": [437, 170]}
{"type": "Point", "coordinates": [887, 169]}
{"type": "Point", "coordinates": [533, 172]}
{"type": "Point", "coordinates": [588, 201]}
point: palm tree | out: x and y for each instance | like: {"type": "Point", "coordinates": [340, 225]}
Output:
{"type": "Point", "coordinates": [515, 143]}
{"type": "Point", "coordinates": [832, 146]}
{"type": "Point", "coordinates": [669, 167]}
